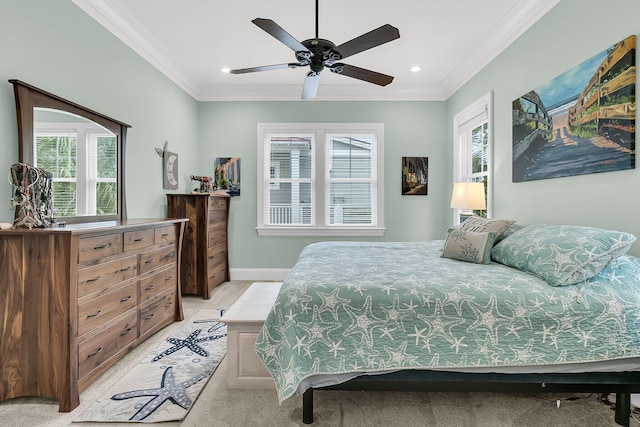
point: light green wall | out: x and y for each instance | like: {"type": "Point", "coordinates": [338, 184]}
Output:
{"type": "Point", "coordinates": [229, 129]}
{"type": "Point", "coordinates": [54, 45]}
{"type": "Point", "coordinates": [571, 32]}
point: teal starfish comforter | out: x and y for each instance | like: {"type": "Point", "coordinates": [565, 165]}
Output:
{"type": "Point", "coordinates": [360, 307]}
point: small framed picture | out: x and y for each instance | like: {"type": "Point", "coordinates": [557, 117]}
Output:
{"type": "Point", "coordinates": [415, 173]}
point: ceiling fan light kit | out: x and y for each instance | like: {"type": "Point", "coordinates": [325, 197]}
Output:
{"type": "Point", "coordinates": [319, 54]}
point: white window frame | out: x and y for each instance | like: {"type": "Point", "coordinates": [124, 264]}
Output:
{"type": "Point", "coordinates": [86, 180]}
{"type": "Point", "coordinates": [320, 179]}
{"type": "Point", "coordinates": [476, 114]}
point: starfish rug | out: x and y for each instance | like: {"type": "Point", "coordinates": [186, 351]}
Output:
{"type": "Point", "coordinates": [163, 386]}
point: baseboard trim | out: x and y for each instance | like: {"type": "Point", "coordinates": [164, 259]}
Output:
{"type": "Point", "coordinates": [277, 274]}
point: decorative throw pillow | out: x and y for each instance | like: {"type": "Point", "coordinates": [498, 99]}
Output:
{"type": "Point", "coordinates": [561, 254]}
{"type": "Point", "coordinates": [469, 246]}
{"type": "Point", "coordinates": [478, 224]}
{"type": "Point", "coordinates": [508, 232]}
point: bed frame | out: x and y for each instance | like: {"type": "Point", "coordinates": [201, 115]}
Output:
{"type": "Point", "coordinates": [620, 383]}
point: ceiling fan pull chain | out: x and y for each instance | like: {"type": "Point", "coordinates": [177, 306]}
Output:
{"type": "Point", "coordinates": [317, 26]}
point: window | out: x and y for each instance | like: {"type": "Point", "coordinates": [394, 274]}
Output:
{"type": "Point", "coordinates": [83, 160]}
{"type": "Point", "coordinates": [472, 144]}
{"type": "Point", "coordinates": [320, 179]}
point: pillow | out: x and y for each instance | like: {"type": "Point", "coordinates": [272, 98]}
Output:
{"type": "Point", "coordinates": [469, 246]}
{"type": "Point", "coordinates": [508, 232]}
{"type": "Point", "coordinates": [561, 254]}
{"type": "Point", "coordinates": [478, 224]}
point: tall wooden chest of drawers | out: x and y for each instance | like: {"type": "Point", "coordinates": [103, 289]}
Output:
{"type": "Point", "coordinates": [75, 299]}
{"type": "Point", "coordinates": [204, 259]}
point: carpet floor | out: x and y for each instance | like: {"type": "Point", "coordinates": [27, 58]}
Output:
{"type": "Point", "coordinates": [218, 407]}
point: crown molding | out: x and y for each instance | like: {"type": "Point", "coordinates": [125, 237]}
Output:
{"type": "Point", "coordinates": [521, 17]}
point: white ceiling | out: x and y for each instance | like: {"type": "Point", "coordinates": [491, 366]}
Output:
{"type": "Point", "coordinates": [190, 41]}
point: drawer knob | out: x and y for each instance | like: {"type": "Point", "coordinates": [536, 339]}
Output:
{"type": "Point", "coordinates": [139, 239]}
{"type": "Point", "coordinates": [96, 314]}
{"type": "Point", "coordinates": [126, 332]}
{"type": "Point", "coordinates": [148, 288]}
{"type": "Point", "coordinates": [168, 279]}
{"type": "Point", "coordinates": [105, 246]}
{"type": "Point", "coordinates": [167, 305]}
{"type": "Point", "coordinates": [149, 316]}
{"type": "Point", "coordinates": [95, 352]}
{"type": "Point", "coordinates": [125, 299]}
{"type": "Point", "coordinates": [165, 235]}
{"type": "Point", "coordinates": [95, 279]}
{"type": "Point", "coordinates": [149, 261]}
{"type": "Point", "coordinates": [126, 269]}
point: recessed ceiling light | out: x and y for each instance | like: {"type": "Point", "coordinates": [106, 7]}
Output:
{"type": "Point", "coordinates": [225, 70]}
{"type": "Point", "coordinates": [415, 68]}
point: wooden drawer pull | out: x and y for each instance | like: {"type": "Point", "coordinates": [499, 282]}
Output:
{"type": "Point", "coordinates": [125, 299]}
{"type": "Point", "coordinates": [95, 353]}
{"type": "Point", "coordinates": [105, 246]}
{"type": "Point", "coordinates": [95, 279]}
{"type": "Point", "coordinates": [148, 288]}
{"type": "Point", "coordinates": [126, 332]}
{"type": "Point", "coordinates": [149, 261]}
{"type": "Point", "coordinates": [96, 314]}
{"type": "Point", "coordinates": [139, 239]}
{"type": "Point", "coordinates": [149, 316]}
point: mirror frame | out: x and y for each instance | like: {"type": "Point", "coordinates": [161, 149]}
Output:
{"type": "Point", "coordinates": [29, 97]}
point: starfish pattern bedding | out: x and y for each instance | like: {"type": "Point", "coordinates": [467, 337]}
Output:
{"type": "Point", "coordinates": [353, 308]}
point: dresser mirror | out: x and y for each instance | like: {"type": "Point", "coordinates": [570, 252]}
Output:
{"type": "Point", "coordinates": [83, 149]}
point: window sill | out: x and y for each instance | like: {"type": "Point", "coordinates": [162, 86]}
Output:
{"type": "Point", "coordinates": [320, 231]}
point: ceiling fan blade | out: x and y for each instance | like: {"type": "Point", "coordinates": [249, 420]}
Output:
{"type": "Point", "coordinates": [362, 74]}
{"type": "Point", "coordinates": [265, 68]}
{"type": "Point", "coordinates": [279, 33]}
{"type": "Point", "coordinates": [373, 38]}
{"type": "Point", "coordinates": [311, 83]}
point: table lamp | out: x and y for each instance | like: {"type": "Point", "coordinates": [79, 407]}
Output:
{"type": "Point", "coordinates": [468, 196]}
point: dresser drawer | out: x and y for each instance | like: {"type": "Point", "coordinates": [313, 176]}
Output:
{"type": "Point", "coordinates": [217, 219]}
{"type": "Point", "coordinates": [156, 311]}
{"type": "Point", "coordinates": [216, 255]}
{"type": "Point", "coordinates": [217, 275]}
{"type": "Point", "coordinates": [156, 259]}
{"type": "Point", "coordinates": [96, 350]}
{"type": "Point", "coordinates": [217, 204]}
{"type": "Point", "coordinates": [91, 248]}
{"type": "Point", "coordinates": [103, 275]}
{"type": "Point", "coordinates": [216, 236]}
{"type": "Point", "coordinates": [155, 284]}
{"type": "Point", "coordinates": [165, 234]}
{"type": "Point", "coordinates": [138, 239]}
{"type": "Point", "coordinates": [97, 311]}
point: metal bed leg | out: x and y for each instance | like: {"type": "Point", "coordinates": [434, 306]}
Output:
{"type": "Point", "coordinates": [623, 408]}
{"type": "Point", "coordinates": [307, 406]}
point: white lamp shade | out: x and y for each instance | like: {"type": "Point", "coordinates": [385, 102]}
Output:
{"type": "Point", "coordinates": [468, 196]}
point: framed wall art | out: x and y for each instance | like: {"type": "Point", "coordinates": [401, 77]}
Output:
{"type": "Point", "coordinates": [581, 122]}
{"type": "Point", "coordinates": [415, 172]}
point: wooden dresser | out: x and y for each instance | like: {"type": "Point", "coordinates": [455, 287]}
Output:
{"type": "Point", "coordinates": [204, 259]}
{"type": "Point", "coordinates": [75, 299]}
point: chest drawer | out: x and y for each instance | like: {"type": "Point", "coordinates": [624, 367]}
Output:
{"type": "Point", "coordinates": [91, 248]}
{"type": "Point", "coordinates": [156, 259]}
{"type": "Point", "coordinates": [102, 275]}
{"type": "Point", "coordinates": [155, 284]}
{"type": "Point", "coordinates": [217, 219]}
{"type": "Point", "coordinates": [216, 256]}
{"type": "Point", "coordinates": [165, 234]}
{"type": "Point", "coordinates": [138, 239]}
{"type": "Point", "coordinates": [104, 308]}
{"type": "Point", "coordinates": [96, 350]}
{"type": "Point", "coordinates": [156, 311]}
{"type": "Point", "coordinates": [216, 237]}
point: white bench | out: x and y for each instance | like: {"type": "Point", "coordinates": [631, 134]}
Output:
{"type": "Point", "coordinates": [244, 320]}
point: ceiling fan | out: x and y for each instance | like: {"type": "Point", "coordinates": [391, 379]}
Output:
{"type": "Point", "coordinates": [319, 54]}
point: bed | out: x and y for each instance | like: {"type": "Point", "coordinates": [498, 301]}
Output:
{"type": "Point", "coordinates": [495, 306]}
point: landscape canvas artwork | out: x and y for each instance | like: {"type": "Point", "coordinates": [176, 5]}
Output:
{"type": "Point", "coordinates": [581, 122]}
